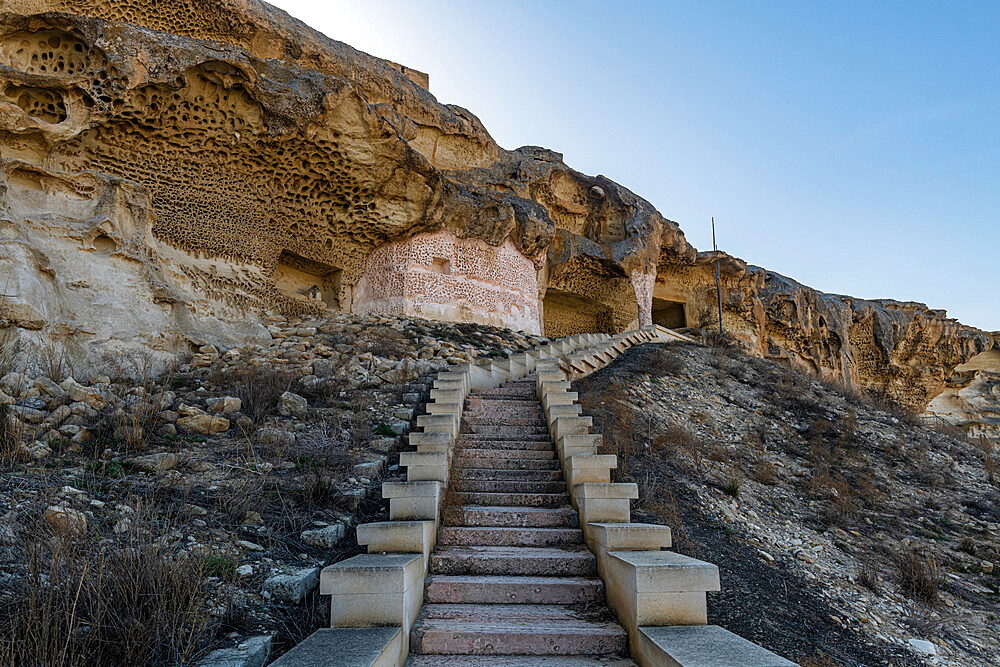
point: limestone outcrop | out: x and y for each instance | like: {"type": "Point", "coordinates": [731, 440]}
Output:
{"type": "Point", "coordinates": [172, 172]}
{"type": "Point", "coordinates": [902, 350]}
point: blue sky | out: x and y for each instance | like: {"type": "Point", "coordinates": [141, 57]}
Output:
{"type": "Point", "coordinates": [854, 146]}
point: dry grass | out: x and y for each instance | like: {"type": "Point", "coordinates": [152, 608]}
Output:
{"type": "Point", "coordinates": [10, 352]}
{"type": "Point", "coordinates": [987, 449]}
{"type": "Point", "coordinates": [868, 576]}
{"type": "Point", "coordinates": [386, 342]}
{"type": "Point", "coordinates": [920, 578]}
{"type": "Point", "coordinates": [12, 432]}
{"type": "Point", "coordinates": [722, 340]}
{"type": "Point", "coordinates": [663, 360]}
{"type": "Point", "coordinates": [258, 388]}
{"type": "Point", "coordinates": [87, 602]}
{"type": "Point", "coordinates": [53, 361]}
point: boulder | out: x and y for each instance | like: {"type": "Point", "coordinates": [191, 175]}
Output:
{"type": "Point", "coordinates": [203, 424]}
{"type": "Point", "coordinates": [65, 520]}
{"type": "Point", "coordinates": [292, 405]}
{"type": "Point", "coordinates": [224, 405]}
{"type": "Point", "coordinates": [324, 538]}
{"type": "Point", "coordinates": [291, 588]}
{"type": "Point", "coordinates": [159, 462]}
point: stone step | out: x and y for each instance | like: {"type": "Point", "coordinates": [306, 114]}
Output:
{"type": "Point", "coordinates": [525, 517]}
{"type": "Point", "coordinates": [503, 429]}
{"type": "Point", "coordinates": [479, 452]}
{"type": "Point", "coordinates": [513, 499]}
{"type": "Point", "coordinates": [477, 589]}
{"type": "Point", "coordinates": [526, 394]}
{"type": "Point", "coordinates": [516, 661]}
{"type": "Point", "coordinates": [506, 437]}
{"type": "Point", "coordinates": [470, 421]}
{"type": "Point", "coordinates": [507, 486]}
{"type": "Point", "coordinates": [508, 536]}
{"type": "Point", "coordinates": [521, 561]}
{"type": "Point", "coordinates": [529, 402]}
{"type": "Point", "coordinates": [515, 630]}
{"type": "Point", "coordinates": [506, 444]}
{"type": "Point", "coordinates": [499, 474]}
{"type": "Point", "coordinates": [506, 463]}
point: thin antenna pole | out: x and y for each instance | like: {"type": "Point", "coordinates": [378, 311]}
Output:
{"type": "Point", "coordinates": [718, 282]}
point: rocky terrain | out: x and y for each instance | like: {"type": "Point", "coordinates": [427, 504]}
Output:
{"type": "Point", "coordinates": [846, 532]}
{"type": "Point", "coordinates": [174, 172]}
{"type": "Point", "coordinates": [249, 467]}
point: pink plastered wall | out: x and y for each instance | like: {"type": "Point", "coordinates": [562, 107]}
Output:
{"type": "Point", "coordinates": [439, 276]}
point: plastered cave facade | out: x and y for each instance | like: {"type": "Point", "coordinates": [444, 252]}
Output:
{"type": "Point", "coordinates": [175, 171]}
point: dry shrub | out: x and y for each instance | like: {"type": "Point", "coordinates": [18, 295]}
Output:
{"type": "Point", "coordinates": [763, 471]}
{"type": "Point", "coordinates": [258, 388]}
{"type": "Point", "coordinates": [731, 487]}
{"type": "Point", "coordinates": [818, 661]}
{"type": "Point", "coordinates": [658, 499]}
{"type": "Point", "coordinates": [663, 360]}
{"type": "Point", "coordinates": [240, 496]}
{"type": "Point", "coordinates": [83, 602]}
{"type": "Point", "coordinates": [10, 352]}
{"type": "Point", "coordinates": [868, 576]}
{"type": "Point", "coordinates": [386, 342]}
{"type": "Point", "coordinates": [986, 448]}
{"type": "Point", "coordinates": [53, 361]}
{"type": "Point", "coordinates": [11, 434]}
{"type": "Point", "coordinates": [790, 392]}
{"type": "Point", "coordinates": [722, 340]}
{"type": "Point", "coordinates": [676, 440]}
{"type": "Point", "coordinates": [135, 423]}
{"type": "Point", "coordinates": [920, 578]}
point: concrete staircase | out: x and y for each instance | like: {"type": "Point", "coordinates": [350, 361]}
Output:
{"type": "Point", "coordinates": [508, 544]}
{"type": "Point", "coordinates": [511, 577]}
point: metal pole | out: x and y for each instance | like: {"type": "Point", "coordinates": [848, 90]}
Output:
{"type": "Point", "coordinates": [718, 282]}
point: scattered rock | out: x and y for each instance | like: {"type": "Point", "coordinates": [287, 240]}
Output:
{"type": "Point", "coordinates": [292, 405]}
{"type": "Point", "coordinates": [291, 588]}
{"type": "Point", "coordinates": [203, 424]}
{"type": "Point", "coordinates": [251, 652]}
{"type": "Point", "coordinates": [325, 538]}
{"type": "Point", "coordinates": [65, 520]}
{"type": "Point", "coordinates": [157, 462]}
{"type": "Point", "coordinates": [923, 647]}
{"type": "Point", "coordinates": [225, 405]}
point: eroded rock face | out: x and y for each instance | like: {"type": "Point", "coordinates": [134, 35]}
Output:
{"type": "Point", "coordinates": [971, 398]}
{"type": "Point", "coordinates": [209, 182]}
{"type": "Point", "coordinates": [174, 171]}
{"type": "Point", "coordinates": [904, 350]}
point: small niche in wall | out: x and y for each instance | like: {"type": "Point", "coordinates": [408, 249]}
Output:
{"type": "Point", "coordinates": [303, 278]}
{"type": "Point", "coordinates": [441, 265]}
{"type": "Point", "coordinates": [105, 244]}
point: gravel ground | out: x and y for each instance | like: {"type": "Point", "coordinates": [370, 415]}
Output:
{"type": "Point", "coordinates": [845, 532]}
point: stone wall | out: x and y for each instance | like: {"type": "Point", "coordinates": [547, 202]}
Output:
{"type": "Point", "coordinates": [442, 277]}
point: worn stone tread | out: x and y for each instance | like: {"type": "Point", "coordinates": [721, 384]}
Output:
{"type": "Point", "coordinates": [517, 661]}
{"type": "Point", "coordinates": [479, 589]}
{"type": "Point", "coordinates": [553, 561]}
{"type": "Point", "coordinates": [508, 536]}
{"type": "Point", "coordinates": [498, 515]}
{"type": "Point", "coordinates": [501, 629]}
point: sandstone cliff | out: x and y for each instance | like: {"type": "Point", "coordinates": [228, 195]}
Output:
{"type": "Point", "coordinates": [173, 171]}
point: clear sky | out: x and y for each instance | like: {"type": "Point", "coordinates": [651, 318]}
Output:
{"type": "Point", "coordinates": [854, 146]}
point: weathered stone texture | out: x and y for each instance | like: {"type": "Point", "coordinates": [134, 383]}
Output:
{"type": "Point", "coordinates": [174, 171]}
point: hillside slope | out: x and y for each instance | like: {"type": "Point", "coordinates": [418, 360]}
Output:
{"type": "Point", "coordinates": [842, 529]}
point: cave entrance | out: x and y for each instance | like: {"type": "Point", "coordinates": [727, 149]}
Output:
{"type": "Point", "coordinates": [307, 279]}
{"type": "Point", "coordinates": [565, 314]}
{"type": "Point", "coordinates": [669, 314]}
